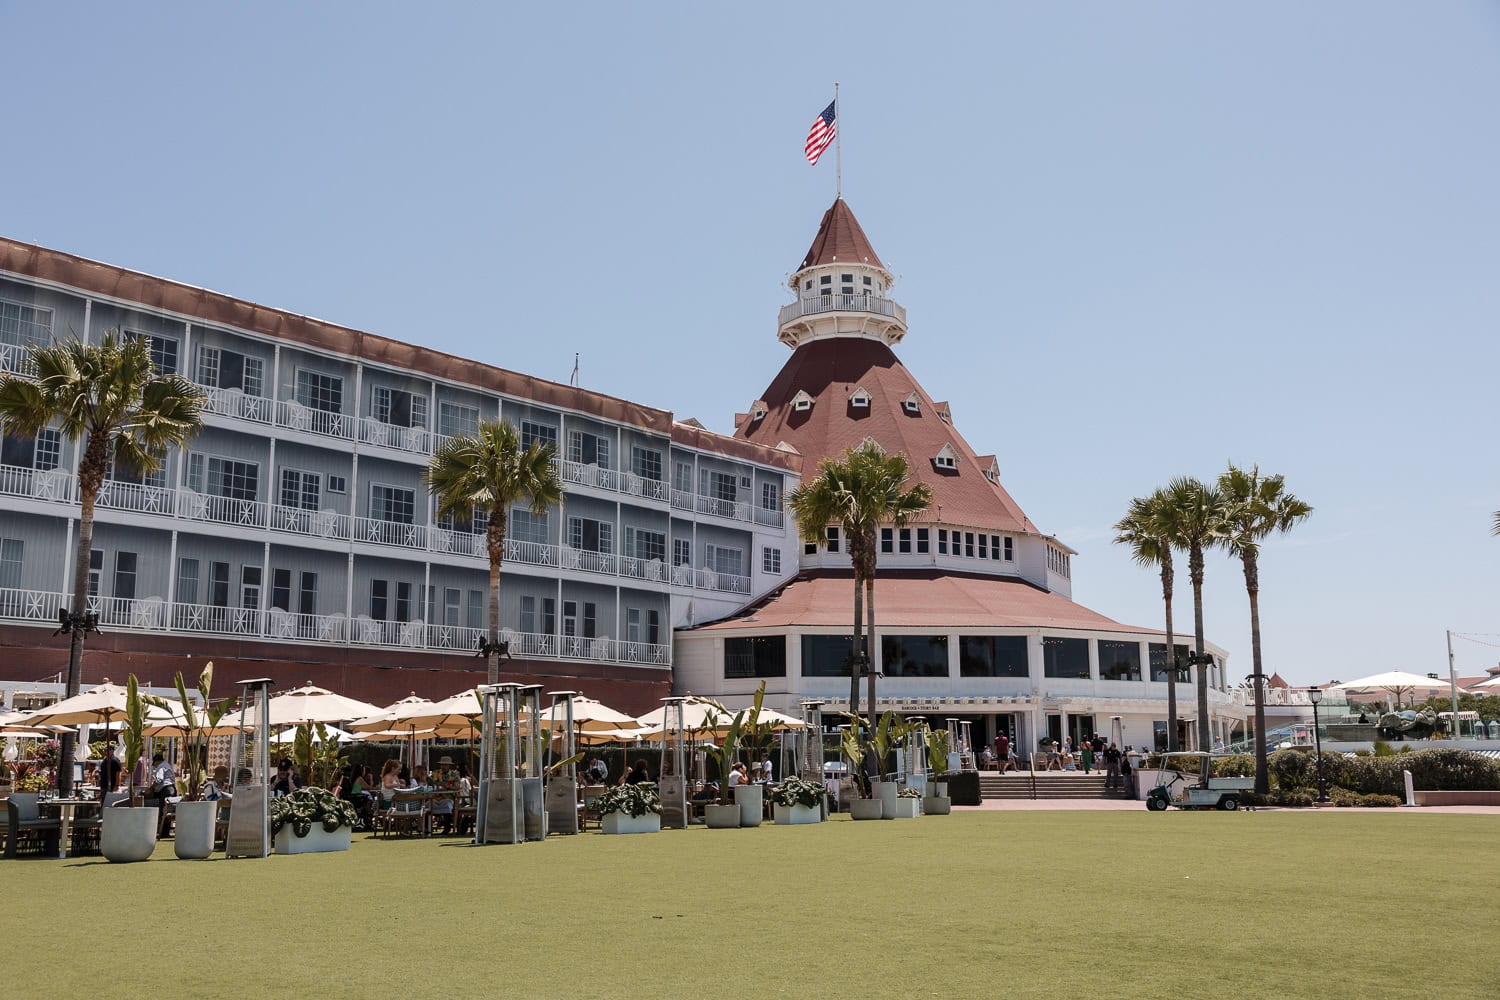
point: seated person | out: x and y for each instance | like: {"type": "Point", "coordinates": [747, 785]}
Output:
{"type": "Point", "coordinates": [216, 787]}
{"type": "Point", "coordinates": [638, 774]}
{"type": "Point", "coordinates": [708, 793]}
{"type": "Point", "coordinates": [444, 777]}
{"type": "Point", "coordinates": [390, 779]}
{"type": "Point", "coordinates": [286, 781]}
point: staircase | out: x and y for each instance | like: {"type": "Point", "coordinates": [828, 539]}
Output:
{"type": "Point", "coordinates": [1049, 785]}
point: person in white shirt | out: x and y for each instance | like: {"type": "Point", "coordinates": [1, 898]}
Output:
{"type": "Point", "coordinates": [765, 770]}
{"type": "Point", "coordinates": [163, 786]}
{"type": "Point", "coordinates": [737, 774]}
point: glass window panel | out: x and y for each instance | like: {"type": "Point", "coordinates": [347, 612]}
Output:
{"type": "Point", "coordinates": [914, 655]}
{"type": "Point", "coordinates": [1119, 661]}
{"type": "Point", "coordinates": [826, 655]}
{"type": "Point", "coordinates": [993, 656]}
{"type": "Point", "coordinates": [756, 656]}
{"type": "Point", "coordinates": [1065, 657]}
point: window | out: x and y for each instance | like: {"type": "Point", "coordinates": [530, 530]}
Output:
{"type": "Point", "coordinates": [969, 544]}
{"type": "Point", "coordinates": [860, 400]}
{"type": "Point", "coordinates": [528, 613]}
{"type": "Point", "coordinates": [163, 352]}
{"type": "Point", "coordinates": [394, 504]}
{"type": "Point", "coordinates": [833, 538]}
{"type": "Point", "coordinates": [903, 540]}
{"type": "Point", "coordinates": [645, 545]}
{"type": "Point", "coordinates": [527, 527]}
{"type": "Point", "coordinates": [826, 655]}
{"type": "Point", "coordinates": [456, 418]}
{"type": "Point", "coordinates": [221, 369]}
{"type": "Point", "coordinates": [590, 619]}
{"type": "Point", "coordinates": [723, 560]}
{"type": "Point", "coordinates": [770, 560]}
{"type": "Point", "coordinates": [590, 535]}
{"type": "Point", "coordinates": [96, 570]}
{"type": "Point", "coordinates": [225, 477]}
{"type": "Point", "coordinates": [379, 595]}
{"type": "Point", "coordinates": [1009, 550]}
{"type": "Point", "coordinates": [887, 540]}
{"type": "Point", "coordinates": [809, 548]}
{"type": "Point", "coordinates": [300, 491]}
{"type": "Point", "coordinates": [48, 450]}
{"type": "Point", "coordinates": [993, 656]}
{"type": "Point", "coordinates": [914, 655]}
{"type": "Point", "coordinates": [532, 432]}
{"type": "Point", "coordinates": [1158, 653]}
{"type": "Point", "coordinates": [942, 541]}
{"type": "Point", "coordinates": [549, 615]}
{"type": "Point", "coordinates": [632, 624]}
{"type": "Point", "coordinates": [307, 599]}
{"type": "Point", "coordinates": [984, 546]}
{"type": "Point", "coordinates": [1119, 661]}
{"type": "Point", "coordinates": [317, 391]}
{"type": "Point", "coordinates": [922, 540]}
{"type": "Point", "coordinates": [682, 477]}
{"type": "Point", "coordinates": [403, 601]}
{"type": "Point", "coordinates": [1065, 657]}
{"type": "Point", "coordinates": [281, 589]}
{"type": "Point", "coordinates": [218, 584]}
{"type": "Point", "coordinates": [802, 402]}
{"type": "Point", "coordinates": [21, 324]}
{"type": "Point", "coordinates": [682, 552]}
{"type": "Point", "coordinates": [453, 601]}
{"type": "Point", "coordinates": [187, 581]}
{"type": "Point", "coordinates": [474, 609]}
{"type": "Point", "coordinates": [653, 627]}
{"type": "Point", "coordinates": [121, 471]}
{"type": "Point", "coordinates": [646, 463]}
{"type": "Point", "coordinates": [12, 553]}
{"type": "Point", "coordinates": [588, 449]}
{"type": "Point", "coordinates": [867, 281]}
{"type": "Point", "coordinates": [827, 279]}
{"type": "Point", "coordinates": [338, 484]}
{"type": "Point", "coordinates": [250, 587]}
{"type": "Point", "coordinates": [755, 656]}
{"type": "Point", "coordinates": [770, 496]}
{"type": "Point", "coordinates": [807, 285]}
{"type": "Point", "coordinates": [912, 404]}
{"type": "Point", "coordinates": [398, 407]}
{"type": "Point", "coordinates": [719, 485]}
{"type": "Point", "coordinates": [945, 460]}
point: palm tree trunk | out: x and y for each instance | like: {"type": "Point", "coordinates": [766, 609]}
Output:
{"type": "Point", "coordinates": [90, 476]}
{"type": "Point", "coordinates": [495, 538]}
{"type": "Point", "coordinates": [870, 646]}
{"type": "Point", "coordinates": [1195, 570]}
{"type": "Point", "coordinates": [1252, 588]}
{"type": "Point", "coordinates": [1171, 663]}
{"type": "Point", "coordinates": [858, 643]}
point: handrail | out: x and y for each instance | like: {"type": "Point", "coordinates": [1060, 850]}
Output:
{"type": "Point", "coordinates": [864, 303]}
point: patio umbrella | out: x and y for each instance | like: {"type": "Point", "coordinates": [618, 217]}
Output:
{"type": "Point", "coordinates": [780, 722]}
{"type": "Point", "coordinates": [1394, 681]}
{"type": "Point", "coordinates": [696, 715]}
{"type": "Point", "coordinates": [590, 716]}
{"type": "Point", "coordinates": [395, 716]}
{"type": "Point", "coordinates": [306, 705]}
{"type": "Point", "coordinates": [289, 735]}
{"type": "Point", "coordinates": [15, 723]}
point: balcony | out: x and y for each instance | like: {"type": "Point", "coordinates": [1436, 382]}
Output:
{"type": "Point", "coordinates": [238, 404]}
{"type": "Point", "coordinates": [733, 510]}
{"type": "Point", "coordinates": [417, 440]}
{"type": "Point", "coordinates": [409, 536]}
{"type": "Point", "coordinates": [16, 358]}
{"type": "Point", "coordinates": [612, 480]}
{"type": "Point", "coordinates": [222, 510]}
{"type": "Point", "coordinates": [842, 303]}
{"type": "Point", "coordinates": [136, 497]}
{"type": "Point", "coordinates": [707, 579]}
{"type": "Point", "coordinates": [322, 523]}
{"type": "Point", "coordinates": [294, 416]}
{"type": "Point", "coordinates": [54, 484]}
{"type": "Point", "coordinates": [155, 614]}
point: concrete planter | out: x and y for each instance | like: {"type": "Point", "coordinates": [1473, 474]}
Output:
{"type": "Point", "coordinates": [128, 834]}
{"type": "Point", "coordinates": [194, 837]}
{"type": "Point", "coordinates": [722, 817]}
{"type": "Point", "coordinates": [751, 799]}
{"type": "Point", "coordinates": [866, 809]}
{"type": "Point", "coordinates": [907, 808]}
{"type": "Point", "coordinates": [317, 841]}
{"type": "Point", "coordinates": [796, 815]}
{"type": "Point", "coordinates": [940, 789]}
{"type": "Point", "coordinates": [885, 792]}
{"type": "Point", "coordinates": [937, 805]}
{"type": "Point", "coordinates": [619, 822]}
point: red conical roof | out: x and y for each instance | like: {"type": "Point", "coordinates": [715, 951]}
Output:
{"type": "Point", "coordinates": [840, 240]}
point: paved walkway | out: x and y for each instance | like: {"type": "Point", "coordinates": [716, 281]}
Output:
{"type": "Point", "coordinates": [1125, 805]}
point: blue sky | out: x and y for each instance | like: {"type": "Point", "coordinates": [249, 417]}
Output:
{"type": "Point", "coordinates": [1135, 241]}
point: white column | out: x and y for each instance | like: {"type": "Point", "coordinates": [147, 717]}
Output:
{"type": "Point", "coordinates": [172, 580]}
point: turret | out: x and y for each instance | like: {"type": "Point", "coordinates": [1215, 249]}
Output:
{"type": "Point", "coordinates": [842, 288]}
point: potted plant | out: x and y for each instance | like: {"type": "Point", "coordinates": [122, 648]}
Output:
{"type": "Point", "coordinates": [128, 832]}
{"type": "Point", "coordinates": [197, 820]}
{"type": "Point", "coordinates": [908, 804]}
{"type": "Point", "coordinates": [629, 809]}
{"type": "Point", "coordinates": [796, 801]}
{"type": "Point", "coordinates": [937, 760]}
{"type": "Point", "coordinates": [725, 815]}
{"type": "Point", "coordinates": [888, 733]}
{"type": "Point", "coordinates": [855, 748]}
{"type": "Point", "coordinates": [312, 821]}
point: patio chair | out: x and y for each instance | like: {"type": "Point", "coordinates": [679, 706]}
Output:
{"type": "Point", "coordinates": [26, 825]}
{"type": "Point", "coordinates": [406, 816]}
{"type": "Point", "coordinates": [87, 826]}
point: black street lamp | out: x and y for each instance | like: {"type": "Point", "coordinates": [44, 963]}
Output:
{"type": "Point", "coordinates": [1315, 695]}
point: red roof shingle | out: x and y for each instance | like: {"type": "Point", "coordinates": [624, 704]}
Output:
{"type": "Point", "coordinates": [840, 240]}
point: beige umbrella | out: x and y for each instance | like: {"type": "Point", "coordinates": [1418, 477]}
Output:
{"type": "Point", "coordinates": [395, 716]}
{"type": "Point", "coordinates": [14, 724]}
{"type": "Point", "coordinates": [699, 715]}
{"type": "Point", "coordinates": [779, 721]}
{"type": "Point", "coordinates": [590, 716]}
{"type": "Point", "coordinates": [1394, 681]}
{"type": "Point", "coordinates": [99, 705]}
{"type": "Point", "coordinates": [309, 704]}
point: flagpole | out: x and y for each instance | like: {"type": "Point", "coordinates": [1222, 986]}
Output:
{"type": "Point", "coordinates": [838, 148]}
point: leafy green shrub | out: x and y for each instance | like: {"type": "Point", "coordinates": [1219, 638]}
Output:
{"type": "Point", "coordinates": [796, 792]}
{"type": "Point", "coordinates": [1294, 798]}
{"type": "Point", "coordinates": [1384, 749]}
{"type": "Point", "coordinates": [1343, 798]}
{"type": "Point", "coordinates": [1431, 770]}
{"type": "Point", "coordinates": [307, 806]}
{"type": "Point", "coordinates": [1250, 799]}
{"type": "Point", "coordinates": [1240, 765]}
{"type": "Point", "coordinates": [1378, 801]}
{"type": "Point", "coordinates": [632, 800]}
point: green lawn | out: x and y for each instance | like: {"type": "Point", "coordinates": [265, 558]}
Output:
{"type": "Point", "coordinates": [1038, 904]}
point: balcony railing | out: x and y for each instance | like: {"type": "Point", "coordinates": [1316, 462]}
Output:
{"type": "Point", "coordinates": [16, 358]}
{"type": "Point", "coordinates": [640, 486]}
{"type": "Point", "coordinates": [410, 536]}
{"type": "Point", "coordinates": [53, 484]}
{"type": "Point", "coordinates": [843, 303]}
{"type": "Point", "coordinates": [769, 516]}
{"type": "Point", "coordinates": [322, 523]}
{"type": "Point", "coordinates": [530, 553]}
{"type": "Point", "coordinates": [294, 416]}
{"type": "Point", "coordinates": [155, 614]}
{"type": "Point", "coordinates": [237, 403]}
{"type": "Point", "coordinates": [654, 570]}
{"type": "Point", "coordinates": [589, 561]}
{"type": "Point", "coordinates": [733, 509]}
{"type": "Point", "coordinates": [707, 579]}
{"type": "Point", "coordinates": [221, 510]}
{"type": "Point", "coordinates": [134, 496]}
{"type": "Point", "coordinates": [383, 435]}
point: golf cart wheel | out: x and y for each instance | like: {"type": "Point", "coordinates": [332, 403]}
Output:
{"type": "Point", "coordinates": [1229, 803]}
{"type": "Point", "coordinates": [1155, 805]}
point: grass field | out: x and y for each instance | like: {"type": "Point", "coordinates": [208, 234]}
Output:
{"type": "Point", "coordinates": [1038, 904]}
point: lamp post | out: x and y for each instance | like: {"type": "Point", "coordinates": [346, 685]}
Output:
{"type": "Point", "coordinates": [1315, 695]}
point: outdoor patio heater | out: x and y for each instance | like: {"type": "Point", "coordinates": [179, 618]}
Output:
{"type": "Point", "coordinates": [914, 755]}
{"type": "Point", "coordinates": [810, 742]}
{"type": "Point", "coordinates": [562, 788]}
{"type": "Point", "coordinates": [673, 775]}
{"type": "Point", "coordinates": [499, 818]}
{"type": "Point", "coordinates": [533, 762]}
{"type": "Point", "coordinates": [249, 834]}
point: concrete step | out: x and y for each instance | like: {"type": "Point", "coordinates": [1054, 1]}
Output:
{"type": "Point", "coordinates": [1051, 785]}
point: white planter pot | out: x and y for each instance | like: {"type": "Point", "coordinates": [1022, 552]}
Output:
{"type": "Point", "coordinates": [619, 822]}
{"type": "Point", "coordinates": [908, 808]}
{"type": "Point", "coordinates": [866, 809]}
{"type": "Point", "coordinates": [937, 805]}
{"type": "Point", "coordinates": [128, 834]}
{"type": "Point", "coordinates": [940, 789]}
{"type": "Point", "coordinates": [885, 793]}
{"type": "Point", "coordinates": [795, 815]}
{"type": "Point", "coordinates": [751, 799]}
{"type": "Point", "coordinates": [317, 841]}
{"type": "Point", "coordinates": [722, 817]}
{"type": "Point", "coordinates": [194, 839]}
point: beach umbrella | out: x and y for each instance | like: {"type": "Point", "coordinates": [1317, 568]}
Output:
{"type": "Point", "coordinates": [289, 735]}
{"type": "Point", "coordinates": [309, 704]}
{"type": "Point", "coordinates": [700, 715]}
{"type": "Point", "coordinates": [591, 716]}
{"type": "Point", "coordinates": [15, 723]}
{"type": "Point", "coordinates": [778, 721]}
{"type": "Point", "coordinates": [395, 716]}
{"type": "Point", "coordinates": [1394, 681]}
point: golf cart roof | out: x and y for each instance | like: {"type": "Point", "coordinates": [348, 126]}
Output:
{"type": "Point", "coordinates": [1192, 753]}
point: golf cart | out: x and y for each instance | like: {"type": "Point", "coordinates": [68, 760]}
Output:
{"type": "Point", "coordinates": [1217, 793]}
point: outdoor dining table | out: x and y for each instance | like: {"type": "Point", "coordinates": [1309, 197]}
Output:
{"type": "Point", "coordinates": [65, 810]}
{"type": "Point", "coordinates": [427, 796]}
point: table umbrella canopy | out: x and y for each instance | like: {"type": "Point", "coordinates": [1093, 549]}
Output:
{"type": "Point", "coordinates": [335, 734]}
{"type": "Point", "coordinates": [779, 720]}
{"type": "Point", "coordinates": [15, 724]}
{"type": "Point", "coordinates": [1394, 681]}
{"type": "Point", "coordinates": [696, 715]}
{"type": "Point", "coordinates": [598, 737]}
{"type": "Point", "coordinates": [400, 715]}
{"type": "Point", "coordinates": [399, 735]}
{"type": "Point", "coordinates": [589, 716]}
{"type": "Point", "coordinates": [101, 705]}
{"type": "Point", "coordinates": [314, 704]}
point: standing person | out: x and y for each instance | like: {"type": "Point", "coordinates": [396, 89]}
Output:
{"type": "Point", "coordinates": [1002, 751]}
{"type": "Point", "coordinates": [1087, 756]}
{"type": "Point", "coordinates": [109, 772]}
{"type": "Point", "coordinates": [1127, 776]}
{"type": "Point", "coordinates": [1112, 767]}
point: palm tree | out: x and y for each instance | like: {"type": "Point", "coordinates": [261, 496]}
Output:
{"type": "Point", "coordinates": [489, 471]}
{"type": "Point", "coordinates": [1145, 529]}
{"type": "Point", "coordinates": [1195, 522]}
{"type": "Point", "coordinates": [1258, 506]}
{"type": "Point", "coordinates": [109, 399]}
{"type": "Point", "coordinates": [1495, 528]}
{"type": "Point", "coordinates": [861, 493]}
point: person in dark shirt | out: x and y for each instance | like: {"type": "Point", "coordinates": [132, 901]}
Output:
{"type": "Point", "coordinates": [1112, 767]}
{"type": "Point", "coordinates": [109, 771]}
{"type": "Point", "coordinates": [638, 775]}
{"type": "Point", "coordinates": [287, 781]}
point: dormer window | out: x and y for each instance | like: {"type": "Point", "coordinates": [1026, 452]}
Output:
{"type": "Point", "coordinates": [945, 415]}
{"type": "Point", "coordinates": [870, 442]}
{"type": "Point", "coordinates": [759, 413]}
{"type": "Point", "coordinates": [913, 404]}
{"type": "Point", "coordinates": [946, 459]}
{"type": "Point", "coordinates": [860, 399]}
{"type": "Point", "coordinates": [802, 402]}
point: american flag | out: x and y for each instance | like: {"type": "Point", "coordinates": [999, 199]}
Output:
{"type": "Point", "coordinates": [821, 134]}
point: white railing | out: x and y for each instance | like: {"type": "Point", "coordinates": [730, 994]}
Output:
{"type": "Point", "coordinates": [461, 543]}
{"type": "Point", "coordinates": [588, 561]}
{"type": "Point", "coordinates": [707, 579]}
{"type": "Point", "coordinates": [640, 486]}
{"type": "Point", "coordinates": [383, 435]}
{"type": "Point", "coordinates": [319, 523]}
{"type": "Point", "coordinates": [133, 496]}
{"type": "Point", "coordinates": [54, 484]}
{"type": "Point", "coordinates": [530, 553]}
{"type": "Point", "coordinates": [843, 303]}
{"type": "Point", "coordinates": [769, 517]}
{"type": "Point", "coordinates": [222, 510]}
{"type": "Point", "coordinates": [684, 500]}
{"type": "Point", "coordinates": [294, 416]}
{"type": "Point", "coordinates": [410, 536]}
{"type": "Point", "coordinates": [643, 569]}
{"type": "Point", "coordinates": [734, 509]}
{"type": "Point", "coordinates": [16, 358]}
{"type": "Point", "coordinates": [155, 614]}
{"type": "Point", "coordinates": [589, 475]}
{"type": "Point", "coordinates": [237, 403]}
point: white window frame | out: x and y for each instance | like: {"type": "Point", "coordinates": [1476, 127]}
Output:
{"type": "Point", "coordinates": [770, 560]}
{"type": "Point", "coordinates": [370, 502]}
